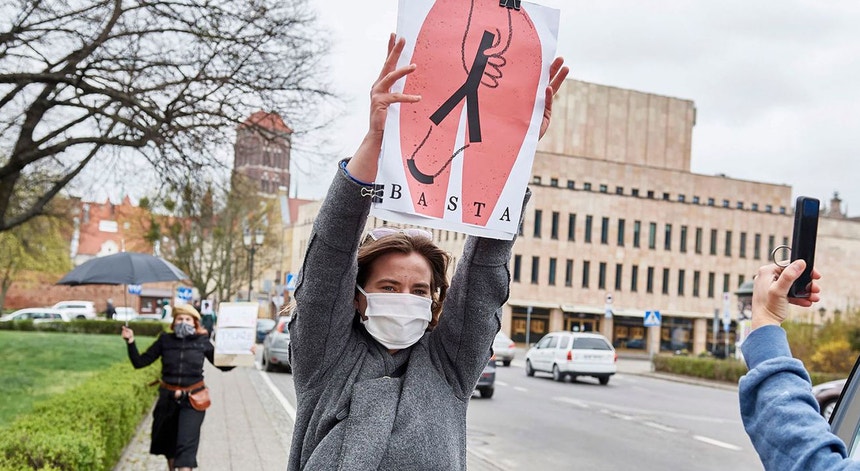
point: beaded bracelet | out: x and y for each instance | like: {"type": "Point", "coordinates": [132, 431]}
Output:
{"type": "Point", "coordinates": [346, 172]}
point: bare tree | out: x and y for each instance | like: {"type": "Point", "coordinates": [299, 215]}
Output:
{"type": "Point", "coordinates": [157, 80]}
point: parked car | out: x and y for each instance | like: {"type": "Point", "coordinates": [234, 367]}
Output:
{"type": "Point", "coordinates": [276, 346]}
{"type": "Point", "coordinates": [487, 382]}
{"type": "Point", "coordinates": [77, 309]}
{"type": "Point", "coordinates": [37, 315]}
{"type": "Point", "coordinates": [503, 348]}
{"type": "Point", "coordinates": [125, 313]}
{"type": "Point", "coordinates": [263, 328]}
{"type": "Point", "coordinates": [572, 354]}
{"type": "Point", "coordinates": [827, 395]}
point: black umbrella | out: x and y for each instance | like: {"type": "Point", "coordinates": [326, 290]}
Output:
{"type": "Point", "coordinates": [124, 268]}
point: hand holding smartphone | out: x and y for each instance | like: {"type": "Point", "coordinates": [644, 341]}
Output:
{"type": "Point", "coordinates": [803, 243]}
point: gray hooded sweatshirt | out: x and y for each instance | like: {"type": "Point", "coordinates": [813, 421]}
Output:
{"type": "Point", "coordinates": [360, 407]}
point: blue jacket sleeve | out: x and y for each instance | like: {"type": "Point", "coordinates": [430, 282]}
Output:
{"type": "Point", "coordinates": [779, 412]}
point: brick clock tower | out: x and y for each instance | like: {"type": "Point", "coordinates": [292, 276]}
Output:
{"type": "Point", "coordinates": [262, 152]}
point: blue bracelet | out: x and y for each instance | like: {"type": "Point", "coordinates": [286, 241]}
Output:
{"type": "Point", "coordinates": [346, 173]}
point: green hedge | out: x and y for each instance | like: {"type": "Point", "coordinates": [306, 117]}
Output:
{"type": "Point", "coordinates": [729, 371]}
{"type": "Point", "coordinates": [81, 326]}
{"type": "Point", "coordinates": [84, 428]}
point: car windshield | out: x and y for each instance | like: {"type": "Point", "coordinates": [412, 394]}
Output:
{"type": "Point", "coordinates": [588, 343]}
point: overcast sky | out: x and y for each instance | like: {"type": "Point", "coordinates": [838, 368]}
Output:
{"type": "Point", "coordinates": [776, 84]}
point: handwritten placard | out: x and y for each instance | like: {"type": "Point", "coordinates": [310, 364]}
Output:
{"type": "Point", "coordinates": [235, 334]}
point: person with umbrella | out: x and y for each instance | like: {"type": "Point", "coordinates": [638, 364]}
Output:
{"type": "Point", "coordinates": [177, 417]}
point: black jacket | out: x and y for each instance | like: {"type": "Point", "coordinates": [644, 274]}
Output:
{"type": "Point", "coordinates": [181, 359]}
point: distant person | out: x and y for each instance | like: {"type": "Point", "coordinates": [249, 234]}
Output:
{"type": "Point", "coordinates": [166, 310]}
{"type": "Point", "coordinates": [110, 312]}
{"type": "Point", "coordinates": [779, 412]}
{"type": "Point", "coordinates": [385, 358]}
{"type": "Point", "coordinates": [176, 424]}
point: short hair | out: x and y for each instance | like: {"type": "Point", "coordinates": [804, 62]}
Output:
{"type": "Point", "coordinates": [370, 251]}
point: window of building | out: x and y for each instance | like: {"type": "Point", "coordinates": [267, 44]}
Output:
{"type": "Point", "coordinates": [698, 240]}
{"type": "Point", "coordinates": [553, 182]}
{"type": "Point", "coordinates": [742, 250]}
{"type": "Point", "coordinates": [586, 268]}
{"type": "Point", "coordinates": [621, 232]}
{"type": "Point", "coordinates": [652, 235]}
{"type": "Point", "coordinates": [536, 179]}
{"type": "Point", "coordinates": [535, 269]}
{"type": "Point", "coordinates": [713, 242]}
{"type": "Point", "coordinates": [771, 243]}
{"type": "Point", "coordinates": [711, 279]}
{"type": "Point", "coordinates": [740, 205]}
{"type": "Point", "coordinates": [634, 278]}
{"type": "Point", "coordinates": [681, 275]}
{"type": "Point", "coordinates": [618, 272]}
{"type": "Point", "coordinates": [665, 281]}
{"type": "Point", "coordinates": [604, 188]}
{"type": "Point", "coordinates": [683, 236]}
{"type": "Point", "coordinates": [757, 246]}
{"type": "Point", "coordinates": [518, 262]}
{"type": "Point", "coordinates": [785, 240]}
{"type": "Point", "coordinates": [570, 185]}
{"type": "Point", "coordinates": [568, 273]}
{"type": "Point", "coordinates": [604, 230]}
{"type": "Point", "coordinates": [538, 217]}
{"type": "Point", "coordinates": [754, 206]}
{"type": "Point", "coordinates": [649, 280]}
{"type": "Point", "coordinates": [667, 241]}
{"type": "Point", "coordinates": [634, 192]}
{"type": "Point", "coordinates": [725, 203]}
{"type": "Point", "coordinates": [681, 198]}
{"type": "Point", "coordinates": [553, 232]}
{"type": "Point", "coordinates": [552, 268]}
{"type": "Point", "coordinates": [588, 223]}
{"type": "Point", "coordinates": [782, 210]}
{"type": "Point", "coordinates": [571, 226]}
{"type": "Point", "coordinates": [665, 196]}
{"type": "Point", "coordinates": [768, 208]}
{"type": "Point", "coordinates": [619, 190]}
{"type": "Point", "coordinates": [728, 251]}
{"type": "Point", "coordinates": [601, 275]}
{"type": "Point", "coordinates": [741, 279]}
{"type": "Point", "coordinates": [650, 194]}
{"type": "Point", "coordinates": [696, 280]}
{"type": "Point", "coordinates": [710, 201]}
{"type": "Point", "coordinates": [637, 232]}
{"type": "Point", "coordinates": [586, 186]}
{"type": "Point", "coordinates": [726, 278]}
{"type": "Point", "coordinates": [695, 200]}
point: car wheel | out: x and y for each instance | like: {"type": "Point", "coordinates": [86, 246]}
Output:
{"type": "Point", "coordinates": [487, 393]}
{"type": "Point", "coordinates": [556, 374]}
{"type": "Point", "coordinates": [604, 380]}
{"type": "Point", "coordinates": [288, 369]}
{"type": "Point", "coordinates": [267, 365]}
{"type": "Point", "coordinates": [506, 362]}
{"type": "Point", "coordinates": [529, 370]}
{"type": "Point", "coordinates": [827, 409]}
{"type": "Point", "coordinates": [81, 317]}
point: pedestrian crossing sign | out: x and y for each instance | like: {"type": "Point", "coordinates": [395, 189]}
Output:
{"type": "Point", "coordinates": [652, 318]}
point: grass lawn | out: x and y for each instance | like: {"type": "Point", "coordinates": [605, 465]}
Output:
{"type": "Point", "coordinates": [36, 365]}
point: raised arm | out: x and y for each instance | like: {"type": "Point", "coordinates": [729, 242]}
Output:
{"type": "Point", "coordinates": [149, 356]}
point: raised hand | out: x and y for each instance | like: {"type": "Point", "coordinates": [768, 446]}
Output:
{"type": "Point", "coordinates": [770, 293]}
{"type": "Point", "coordinates": [557, 73]}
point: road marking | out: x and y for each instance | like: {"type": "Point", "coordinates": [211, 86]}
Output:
{"type": "Point", "coordinates": [501, 383]}
{"type": "Point", "coordinates": [662, 427]}
{"type": "Point", "coordinates": [574, 402]}
{"type": "Point", "coordinates": [520, 389]}
{"type": "Point", "coordinates": [718, 443]}
{"type": "Point", "coordinates": [290, 410]}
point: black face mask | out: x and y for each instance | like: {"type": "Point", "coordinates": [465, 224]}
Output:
{"type": "Point", "coordinates": [183, 330]}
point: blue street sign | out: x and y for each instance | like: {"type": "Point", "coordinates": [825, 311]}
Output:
{"type": "Point", "coordinates": [183, 293]}
{"type": "Point", "coordinates": [134, 289]}
{"type": "Point", "coordinates": [291, 282]}
{"type": "Point", "coordinates": [652, 319]}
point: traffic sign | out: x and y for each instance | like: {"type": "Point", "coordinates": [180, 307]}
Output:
{"type": "Point", "coordinates": [652, 319]}
{"type": "Point", "coordinates": [727, 312]}
{"type": "Point", "coordinates": [291, 282]}
{"type": "Point", "coordinates": [134, 289]}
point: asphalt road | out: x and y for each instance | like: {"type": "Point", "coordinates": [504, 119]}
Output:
{"type": "Point", "coordinates": [635, 422]}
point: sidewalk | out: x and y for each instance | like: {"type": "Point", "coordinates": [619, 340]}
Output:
{"type": "Point", "coordinates": [247, 427]}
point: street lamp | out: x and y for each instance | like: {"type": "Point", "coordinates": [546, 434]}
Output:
{"type": "Point", "coordinates": [251, 243]}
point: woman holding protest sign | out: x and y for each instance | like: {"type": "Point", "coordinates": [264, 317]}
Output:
{"type": "Point", "coordinates": [183, 396]}
{"type": "Point", "coordinates": [382, 377]}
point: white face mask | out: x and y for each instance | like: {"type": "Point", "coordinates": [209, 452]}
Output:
{"type": "Point", "coordinates": [396, 320]}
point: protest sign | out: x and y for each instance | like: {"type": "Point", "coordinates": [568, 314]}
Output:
{"type": "Point", "coordinates": [235, 334]}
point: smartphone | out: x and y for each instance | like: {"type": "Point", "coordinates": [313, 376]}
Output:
{"type": "Point", "coordinates": [803, 243]}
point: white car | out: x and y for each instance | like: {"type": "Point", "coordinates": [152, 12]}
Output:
{"type": "Point", "coordinates": [572, 354]}
{"type": "Point", "coordinates": [37, 315]}
{"type": "Point", "coordinates": [504, 348]}
{"type": "Point", "coordinates": [125, 313]}
{"type": "Point", "coordinates": [77, 309]}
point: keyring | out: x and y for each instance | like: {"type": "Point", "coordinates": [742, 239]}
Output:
{"type": "Point", "coordinates": [773, 255]}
